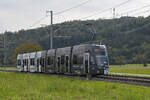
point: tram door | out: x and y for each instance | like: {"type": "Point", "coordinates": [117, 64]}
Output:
{"type": "Point", "coordinates": [27, 64]}
{"type": "Point", "coordinates": [23, 65]}
{"type": "Point", "coordinates": [43, 65]}
{"type": "Point", "coordinates": [58, 64]}
{"type": "Point", "coordinates": [67, 63]}
{"type": "Point", "coordinates": [86, 62]}
{"type": "Point", "coordinates": [38, 63]}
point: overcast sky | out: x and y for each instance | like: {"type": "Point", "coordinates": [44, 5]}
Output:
{"type": "Point", "coordinates": [22, 14]}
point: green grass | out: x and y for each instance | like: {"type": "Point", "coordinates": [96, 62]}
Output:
{"type": "Point", "coordinates": [9, 68]}
{"type": "Point", "coordinates": [16, 86]}
{"type": "Point", "coordinates": [130, 68]}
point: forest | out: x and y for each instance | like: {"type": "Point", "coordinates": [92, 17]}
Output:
{"type": "Point", "coordinates": [127, 38]}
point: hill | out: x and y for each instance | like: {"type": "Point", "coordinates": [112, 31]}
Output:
{"type": "Point", "coordinates": [127, 38]}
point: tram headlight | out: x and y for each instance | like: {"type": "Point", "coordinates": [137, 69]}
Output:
{"type": "Point", "coordinates": [105, 64]}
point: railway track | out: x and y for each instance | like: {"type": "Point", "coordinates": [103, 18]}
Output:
{"type": "Point", "coordinates": [142, 81]}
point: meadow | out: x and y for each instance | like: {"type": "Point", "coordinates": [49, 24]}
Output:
{"type": "Point", "coordinates": [130, 68]}
{"type": "Point", "coordinates": [19, 86]}
{"type": "Point", "coordinates": [8, 68]}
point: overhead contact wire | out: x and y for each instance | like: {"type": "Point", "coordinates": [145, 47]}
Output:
{"type": "Point", "coordinates": [102, 11]}
{"type": "Point", "coordinates": [68, 9]}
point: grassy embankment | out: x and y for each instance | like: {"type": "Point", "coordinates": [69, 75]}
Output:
{"type": "Point", "coordinates": [130, 68]}
{"type": "Point", "coordinates": [9, 68]}
{"type": "Point", "coordinates": [15, 86]}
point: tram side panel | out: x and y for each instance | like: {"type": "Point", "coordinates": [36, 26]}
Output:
{"type": "Point", "coordinates": [78, 60]}
{"type": "Point", "coordinates": [20, 62]}
{"type": "Point", "coordinates": [26, 62]}
{"type": "Point", "coordinates": [63, 60]}
{"type": "Point", "coordinates": [32, 63]}
{"type": "Point", "coordinates": [43, 61]}
{"type": "Point", "coordinates": [37, 61]}
{"type": "Point", "coordinates": [50, 65]}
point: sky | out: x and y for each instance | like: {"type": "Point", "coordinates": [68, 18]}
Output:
{"type": "Point", "coordinates": [26, 14]}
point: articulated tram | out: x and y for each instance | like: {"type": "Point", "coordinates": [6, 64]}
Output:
{"type": "Point", "coordinates": [78, 60]}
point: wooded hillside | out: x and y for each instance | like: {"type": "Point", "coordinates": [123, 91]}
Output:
{"type": "Point", "coordinates": [127, 38]}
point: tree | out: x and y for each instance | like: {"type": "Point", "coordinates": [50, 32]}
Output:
{"type": "Point", "coordinates": [120, 60]}
{"type": "Point", "coordinates": [26, 48]}
{"type": "Point", "coordinates": [142, 59]}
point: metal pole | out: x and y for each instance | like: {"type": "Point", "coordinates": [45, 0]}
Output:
{"type": "Point", "coordinates": [51, 31]}
{"type": "Point", "coordinates": [4, 52]}
{"type": "Point", "coordinates": [114, 13]}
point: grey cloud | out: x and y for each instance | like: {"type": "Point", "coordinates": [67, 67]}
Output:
{"type": "Point", "coordinates": [17, 14]}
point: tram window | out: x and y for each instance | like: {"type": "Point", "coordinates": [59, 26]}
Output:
{"type": "Point", "coordinates": [37, 61]}
{"type": "Point", "coordinates": [19, 62]}
{"type": "Point", "coordinates": [51, 60]}
{"type": "Point", "coordinates": [75, 59]}
{"type": "Point", "coordinates": [100, 51]}
{"type": "Point", "coordinates": [40, 61]}
{"type": "Point", "coordinates": [80, 60]}
{"type": "Point", "coordinates": [62, 60]}
{"type": "Point", "coordinates": [48, 61]}
{"type": "Point", "coordinates": [58, 61]}
{"type": "Point", "coordinates": [67, 60]}
{"type": "Point", "coordinates": [31, 61]}
{"type": "Point", "coordinates": [26, 61]}
{"type": "Point", "coordinates": [43, 61]}
{"type": "Point", "coordinates": [23, 62]}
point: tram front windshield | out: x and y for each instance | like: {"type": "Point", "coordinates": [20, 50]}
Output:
{"type": "Point", "coordinates": [101, 58]}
